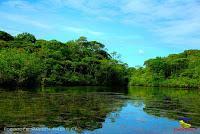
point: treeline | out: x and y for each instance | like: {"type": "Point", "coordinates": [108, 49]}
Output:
{"type": "Point", "coordinates": [176, 70]}
{"type": "Point", "coordinates": [27, 61]}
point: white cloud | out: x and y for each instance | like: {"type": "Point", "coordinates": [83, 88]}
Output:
{"type": "Point", "coordinates": [12, 31]}
{"type": "Point", "coordinates": [141, 52]}
{"type": "Point", "coordinates": [20, 4]}
{"type": "Point", "coordinates": [22, 19]}
{"type": "Point", "coordinates": [83, 31]}
{"type": "Point", "coordinates": [101, 9]}
{"type": "Point", "coordinates": [173, 21]}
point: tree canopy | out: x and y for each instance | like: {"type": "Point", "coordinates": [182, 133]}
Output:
{"type": "Point", "coordinates": [27, 61]}
{"type": "Point", "coordinates": [176, 70]}
{"type": "Point", "coordinates": [6, 36]}
{"type": "Point", "coordinates": [26, 37]}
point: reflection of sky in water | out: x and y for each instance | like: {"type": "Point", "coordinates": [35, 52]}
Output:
{"type": "Point", "coordinates": [130, 120]}
{"type": "Point", "coordinates": [125, 115]}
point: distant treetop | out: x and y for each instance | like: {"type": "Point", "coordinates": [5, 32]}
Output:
{"type": "Point", "coordinates": [6, 36]}
{"type": "Point", "coordinates": [26, 37]}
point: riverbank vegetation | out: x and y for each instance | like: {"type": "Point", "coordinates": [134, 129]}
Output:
{"type": "Point", "coordinates": [176, 70]}
{"type": "Point", "coordinates": [27, 61]}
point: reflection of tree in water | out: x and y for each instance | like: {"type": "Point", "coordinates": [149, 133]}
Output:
{"type": "Point", "coordinates": [171, 103]}
{"type": "Point", "coordinates": [86, 111]}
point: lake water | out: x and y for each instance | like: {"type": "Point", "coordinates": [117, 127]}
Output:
{"type": "Point", "coordinates": [99, 110]}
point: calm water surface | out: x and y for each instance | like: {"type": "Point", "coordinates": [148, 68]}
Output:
{"type": "Point", "coordinates": [98, 110]}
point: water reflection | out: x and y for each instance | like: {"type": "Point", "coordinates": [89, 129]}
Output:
{"type": "Point", "coordinates": [73, 109]}
{"type": "Point", "coordinates": [171, 103]}
{"type": "Point", "coordinates": [97, 110]}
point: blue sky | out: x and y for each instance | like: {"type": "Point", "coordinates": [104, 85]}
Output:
{"type": "Point", "coordinates": [136, 29]}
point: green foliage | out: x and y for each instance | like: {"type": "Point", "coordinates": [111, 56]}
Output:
{"type": "Point", "coordinates": [26, 60]}
{"type": "Point", "coordinates": [19, 67]}
{"type": "Point", "coordinates": [5, 36]}
{"type": "Point", "coordinates": [177, 70]}
{"type": "Point", "coordinates": [26, 37]}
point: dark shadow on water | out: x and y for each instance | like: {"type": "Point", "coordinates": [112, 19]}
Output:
{"type": "Point", "coordinates": [79, 108]}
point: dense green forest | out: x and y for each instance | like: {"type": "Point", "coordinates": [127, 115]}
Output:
{"type": "Point", "coordinates": [27, 61]}
{"type": "Point", "coordinates": [176, 70]}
